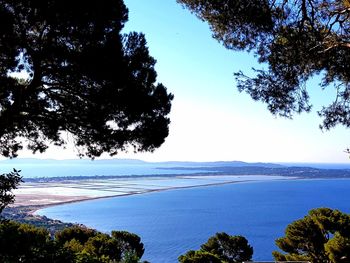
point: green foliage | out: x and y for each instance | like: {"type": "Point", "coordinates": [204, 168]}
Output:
{"type": "Point", "coordinates": [8, 182]}
{"type": "Point", "coordinates": [80, 234]}
{"type": "Point", "coordinates": [90, 245]}
{"type": "Point", "coordinates": [296, 40]}
{"type": "Point", "coordinates": [129, 242]}
{"type": "Point", "coordinates": [21, 242]}
{"type": "Point", "coordinates": [338, 248]}
{"type": "Point", "coordinates": [66, 67]}
{"type": "Point", "coordinates": [220, 248]}
{"type": "Point", "coordinates": [199, 257]}
{"type": "Point", "coordinates": [321, 236]}
{"type": "Point", "coordinates": [229, 248]}
{"type": "Point", "coordinates": [236, 23]}
{"type": "Point", "coordinates": [26, 243]}
{"type": "Point", "coordinates": [83, 257]}
{"type": "Point", "coordinates": [103, 246]}
{"type": "Point", "coordinates": [72, 245]}
{"type": "Point", "coordinates": [131, 257]}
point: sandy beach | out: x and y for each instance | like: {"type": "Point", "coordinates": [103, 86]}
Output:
{"type": "Point", "coordinates": [42, 194]}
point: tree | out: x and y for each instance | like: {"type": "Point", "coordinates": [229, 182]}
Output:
{"type": "Point", "coordinates": [102, 246]}
{"type": "Point", "coordinates": [295, 40]}
{"type": "Point", "coordinates": [26, 243]}
{"type": "Point", "coordinates": [220, 248]}
{"type": "Point", "coordinates": [89, 245]}
{"type": "Point", "coordinates": [8, 182]}
{"type": "Point", "coordinates": [229, 248]}
{"type": "Point", "coordinates": [199, 257]}
{"type": "Point", "coordinates": [65, 66]}
{"type": "Point", "coordinates": [129, 243]}
{"type": "Point", "coordinates": [338, 248]}
{"type": "Point", "coordinates": [321, 236]}
{"type": "Point", "coordinates": [78, 233]}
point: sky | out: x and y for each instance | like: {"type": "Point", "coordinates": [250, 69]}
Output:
{"type": "Point", "coordinates": [210, 119]}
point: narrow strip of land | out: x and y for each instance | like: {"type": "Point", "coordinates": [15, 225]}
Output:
{"type": "Point", "coordinates": [41, 194]}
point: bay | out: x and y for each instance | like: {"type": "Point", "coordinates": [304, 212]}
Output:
{"type": "Point", "coordinates": [172, 222]}
{"type": "Point", "coordinates": [35, 168]}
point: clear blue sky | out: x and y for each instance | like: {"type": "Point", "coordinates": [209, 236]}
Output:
{"type": "Point", "coordinates": [210, 119]}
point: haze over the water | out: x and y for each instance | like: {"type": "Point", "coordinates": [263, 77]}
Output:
{"type": "Point", "coordinates": [210, 120]}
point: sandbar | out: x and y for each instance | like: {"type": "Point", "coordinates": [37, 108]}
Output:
{"type": "Point", "coordinates": [43, 194]}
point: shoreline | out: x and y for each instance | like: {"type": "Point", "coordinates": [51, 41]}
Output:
{"type": "Point", "coordinates": [32, 211]}
{"type": "Point", "coordinates": [33, 208]}
{"type": "Point", "coordinates": [28, 213]}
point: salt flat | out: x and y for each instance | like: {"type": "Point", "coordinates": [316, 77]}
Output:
{"type": "Point", "coordinates": [63, 191]}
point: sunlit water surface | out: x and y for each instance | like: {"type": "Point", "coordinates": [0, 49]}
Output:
{"type": "Point", "coordinates": [172, 222]}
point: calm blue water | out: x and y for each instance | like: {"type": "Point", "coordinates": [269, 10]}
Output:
{"type": "Point", "coordinates": [35, 168]}
{"type": "Point", "coordinates": [172, 222]}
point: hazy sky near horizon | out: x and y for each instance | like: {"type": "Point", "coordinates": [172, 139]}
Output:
{"type": "Point", "coordinates": [210, 119]}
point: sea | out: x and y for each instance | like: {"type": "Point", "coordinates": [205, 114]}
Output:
{"type": "Point", "coordinates": [175, 221]}
{"type": "Point", "coordinates": [36, 168]}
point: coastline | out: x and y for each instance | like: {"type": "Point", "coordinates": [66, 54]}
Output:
{"type": "Point", "coordinates": [32, 197]}
{"type": "Point", "coordinates": [256, 186]}
{"type": "Point", "coordinates": [38, 207]}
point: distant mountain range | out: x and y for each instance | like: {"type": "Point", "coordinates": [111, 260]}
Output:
{"type": "Point", "coordinates": [34, 161]}
{"type": "Point", "coordinates": [221, 164]}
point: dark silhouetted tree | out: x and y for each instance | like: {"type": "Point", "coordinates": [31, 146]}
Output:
{"type": "Point", "coordinates": [321, 236]}
{"type": "Point", "coordinates": [90, 244]}
{"type": "Point", "coordinates": [8, 182]}
{"type": "Point", "coordinates": [65, 66]}
{"type": "Point", "coordinates": [103, 246]}
{"type": "Point", "coordinates": [229, 248]}
{"type": "Point", "coordinates": [296, 40]}
{"type": "Point", "coordinates": [220, 248]}
{"type": "Point", "coordinates": [80, 234]}
{"type": "Point", "coordinates": [26, 243]}
{"type": "Point", "coordinates": [129, 243]}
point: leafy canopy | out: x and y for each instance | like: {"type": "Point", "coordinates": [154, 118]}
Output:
{"type": "Point", "coordinates": [199, 256]}
{"type": "Point", "coordinates": [129, 242]}
{"type": "Point", "coordinates": [65, 67]}
{"type": "Point", "coordinates": [220, 248]}
{"type": "Point", "coordinates": [296, 40]}
{"type": "Point", "coordinates": [321, 236]}
{"type": "Point", "coordinates": [8, 182]}
{"type": "Point", "coordinates": [27, 243]}
{"type": "Point", "coordinates": [229, 248]}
